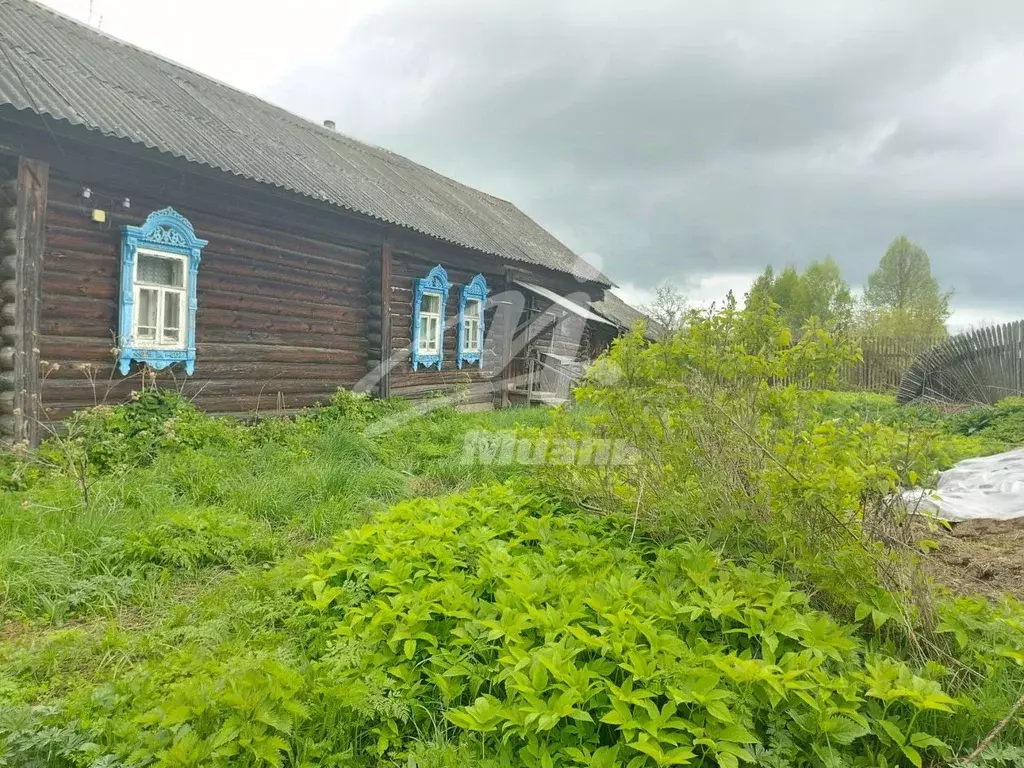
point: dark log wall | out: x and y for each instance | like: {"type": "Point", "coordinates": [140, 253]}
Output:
{"type": "Point", "coordinates": [8, 239]}
{"type": "Point", "coordinates": [543, 325]}
{"type": "Point", "coordinates": [477, 384]}
{"type": "Point", "coordinates": [22, 232]}
{"type": "Point", "coordinates": [291, 292]}
{"type": "Point", "coordinates": [281, 320]}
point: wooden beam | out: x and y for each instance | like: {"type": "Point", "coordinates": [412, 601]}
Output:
{"type": "Point", "coordinates": [385, 319]}
{"type": "Point", "coordinates": [30, 228]}
{"type": "Point", "coordinates": [506, 344]}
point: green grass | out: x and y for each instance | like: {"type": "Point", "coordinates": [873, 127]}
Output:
{"type": "Point", "coordinates": [172, 602]}
{"type": "Point", "coordinates": [965, 432]}
{"type": "Point", "coordinates": [189, 548]}
{"type": "Point", "coordinates": [60, 558]}
{"type": "Point", "coordinates": [1001, 425]}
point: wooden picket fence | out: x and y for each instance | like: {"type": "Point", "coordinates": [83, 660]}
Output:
{"type": "Point", "coordinates": [884, 361]}
{"type": "Point", "coordinates": [981, 366]}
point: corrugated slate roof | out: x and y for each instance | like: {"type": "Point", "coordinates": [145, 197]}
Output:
{"type": "Point", "coordinates": [623, 315]}
{"type": "Point", "coordinates": [54, 65]}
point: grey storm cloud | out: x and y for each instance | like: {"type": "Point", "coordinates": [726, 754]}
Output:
{"type": "Point", "coordinates": [683, 139]}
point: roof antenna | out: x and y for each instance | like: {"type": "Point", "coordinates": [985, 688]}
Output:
{"type": "Point", "coordinates": [92, 14]}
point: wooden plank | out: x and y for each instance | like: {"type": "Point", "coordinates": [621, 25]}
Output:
{"type": "Point", "coordinates": [265, 403]}
{"type": "Point", "coordinates": [506, 332]}
{"type": "Point", "coordinates": [386, 259]}
{"type": "Point", "coordinates": [1018, 357]}
{"type": "Point", "coordinates": [72, 373]}
{"type": "Point", "coordinates": [33, 181]}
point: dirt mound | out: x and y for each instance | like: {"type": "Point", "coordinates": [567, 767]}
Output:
{"type": "Point", "coordinates": [980, 557]}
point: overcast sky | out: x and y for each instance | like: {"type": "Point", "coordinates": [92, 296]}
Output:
{"type": "Point", "coordinates": [694, 142]}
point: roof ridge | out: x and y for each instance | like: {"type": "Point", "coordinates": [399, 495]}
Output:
{"type": "Point", "coordinates": [208, 121]}
{"type": "Point", "coordinates": [295, 119]}
{"type": "Point", "coordinates": [39, 6]}
{"type": "Point", "coordinates": [291, 117]}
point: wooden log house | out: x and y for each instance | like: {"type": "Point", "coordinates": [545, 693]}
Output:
{"type": "Point", "coordinates": [156, 222]}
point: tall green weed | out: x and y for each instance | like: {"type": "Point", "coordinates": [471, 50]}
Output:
{"type": "Point", "coordinates": [543, 637]}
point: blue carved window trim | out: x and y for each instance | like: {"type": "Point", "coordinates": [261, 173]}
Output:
{"type": "Point", "coordinates": [475, 290]}
{"type": "Point", "coordinates": [436, 282]}
{"type": "Point", "coordinates": [164, 232]}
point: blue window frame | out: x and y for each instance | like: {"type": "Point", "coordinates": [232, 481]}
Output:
{"type": "Point", "coordinates": [159, 265]}
{"type": "Point", "coordinates": [428, 318]}
{"type": "Point", "coordinates": [471, 321]}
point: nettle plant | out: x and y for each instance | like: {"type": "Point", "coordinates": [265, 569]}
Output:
{"type": "Point", "coordinates": [531, 635]}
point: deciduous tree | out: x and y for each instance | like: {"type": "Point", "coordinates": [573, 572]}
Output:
{"type": "Point", "coordinates": [669, 309]}
{"type": "Point", "coordinates": [902, 297]}
{"type": "Point", "coordinates": [819, 291]}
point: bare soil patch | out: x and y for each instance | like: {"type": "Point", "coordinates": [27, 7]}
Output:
{"type": "Point", "coordinates": [980, 557]}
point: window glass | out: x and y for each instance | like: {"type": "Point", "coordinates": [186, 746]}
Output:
{"type": "Point", "coordinates": [471, 318]}
{"type": "Point", "coordinates": [149, 308]}
{"type": "Point", "coordinates": [161, 271]}
{"type": "Point", "coordinates": [432, 334]}
{"type": "Point", "coordinates": [160, 315]}
{"type": "Point", "coordinates": [431, 303]}
{"type": "Point", "coordinates": [430, 322]}
{"type": "Point", "coordinates": [424, 338]}
{"type": "Point", "coordinates": [172, 317]}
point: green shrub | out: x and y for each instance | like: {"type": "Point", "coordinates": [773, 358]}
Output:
{"type": "Point", "coordinates": [200, 538]}
{"type": "Point", "coordinates": [17, 471]}
{"type": "Point", "coordinates": [729, 450]}
{"type": "Point", "coordinates": [1004, 422]}
{"type": "Point", "coordinates": [27, 740]}
{"type": "Point", "coordinates": [106, 439]}
{"type": "Point", "coordinates": [548, 638]}
{"type": "Point", "coordinates": [240, 712]}
{"type": "Point", "coordinates": [357, 408]}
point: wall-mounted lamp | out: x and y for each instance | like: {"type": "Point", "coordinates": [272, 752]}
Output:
{"type": "Point", "coordinates": [86, 193]}
{"type": "Point", "coordinates": [126, 203]}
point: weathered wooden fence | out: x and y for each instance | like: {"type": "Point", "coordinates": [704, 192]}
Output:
{"type": "Point", "coordinates": [884, 360]}
{"type": "Point", "coordinates": [981, 366]}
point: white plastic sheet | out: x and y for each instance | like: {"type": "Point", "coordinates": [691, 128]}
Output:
{"type": "Point", "coordinates": [991, 487]}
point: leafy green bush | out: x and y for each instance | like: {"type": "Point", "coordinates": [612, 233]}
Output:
{"type": "Point", "coordinates": [121, 437]}
{"type": "Point", "coordinates": [357, 408]}
{"type": "Point", "coordinates": [240, 712]}
{"type": "Point", "coordinates": [549, 638]}
{"type": "Point", "coordinates": [1004, 422]}
{"type": "Point", "coordinates": [731, 450]}
{"type": "Point", "coordinates": [17, 471]}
